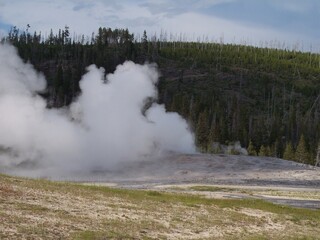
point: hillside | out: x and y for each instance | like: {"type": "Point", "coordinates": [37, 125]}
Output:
{"type": "Point", "coordinates": [267, 99]}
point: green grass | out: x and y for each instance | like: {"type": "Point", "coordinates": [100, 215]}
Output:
{"type": "Point", "coordinates": [210, 189]}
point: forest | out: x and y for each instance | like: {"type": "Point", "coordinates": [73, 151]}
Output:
{"type": "Point", "coordinates": [267, 99]}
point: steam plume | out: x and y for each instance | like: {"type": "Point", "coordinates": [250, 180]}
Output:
{"type": "Point", "coordinates": [105, 126]}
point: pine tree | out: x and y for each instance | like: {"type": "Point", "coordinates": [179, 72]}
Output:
{"type": "Point", "coordinates": [66, 35]}
{"type": "Point", "coordinates": [144, 41]}
{"type": "Point", "coordinates": [273, 151]}
{"type": "Point", "coordinates": [279, 148]}
{"type": "Point", "coordinates": [58, 87]}
{"type": "Point", "coordinates": [50, 40]}
{"type": "Point", "coordinates": [202, 131]}
{"type": "Point", "coordinates": [264, 151]}
{"type": "Point", "coordinates": [58, 81]}
{"type": "Point", "coordinates": [251, 149]}
{"type": "Point", "coordinates": [302, 154]}
{"type": "Point", "coordinates": [214, 133]}
{"type": "Point", "coordinates": [289, 152]}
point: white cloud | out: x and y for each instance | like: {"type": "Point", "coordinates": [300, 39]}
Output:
{"type": "Point", "coordinates": [173, 8]}
{"type": "Point", "coordinates": [3, 33]}
{"type": "Point", "coordinates": [84, 17]}
{"type": "Point", "coordinates": [54, 14]}
{"type": "Point", "coordinates": [87, 17]}
{"type": "Point", "coordinates": [296, 6]}
{"type": "Point", "coordinates": [214, 28]}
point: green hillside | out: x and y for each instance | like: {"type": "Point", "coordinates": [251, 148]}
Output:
{"type": "Point", "coordinates": [266, 97]}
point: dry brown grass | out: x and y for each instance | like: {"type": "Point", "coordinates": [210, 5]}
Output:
{"type": "Point", "coordinates": [39, 209]}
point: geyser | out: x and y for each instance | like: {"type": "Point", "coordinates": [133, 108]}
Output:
{"type": "Point", "coordinates": [105, 126]}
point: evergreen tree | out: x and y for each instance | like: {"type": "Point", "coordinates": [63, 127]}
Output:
{"type": "Point", "coordinates": [214, 133]}
{"type": "Point", "coordinates": [50, 39]}
{"type": "Point", "coordinates": [264, 151]}
{"type": "Point", "coordinates": [58, 82]}
{"type": "Point", "coordinates": [302, 154]}
{"type": "Point", "coordinates": [279, 148]}
{"type": "Point", "coordinates": [273, 151]}
{"type": "Point", "coordinates": [66, 35]}
{"type": "Point", "coordinates": [58, 88]}
{"type": "Point", "coordinates": [289, 152]}
{"type": "Point", "coordinates": [144, 42]}
{"type": "Point", "coordinates": [251, 149]}
{"type": "Point", "coordinates": [202, 131]}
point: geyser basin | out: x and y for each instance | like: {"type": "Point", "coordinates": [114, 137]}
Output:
{"type": "Point", "coordinates": [210, 169]}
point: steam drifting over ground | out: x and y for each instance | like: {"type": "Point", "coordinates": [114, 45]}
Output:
{"type": "Point", "coordinates": [105, 126]}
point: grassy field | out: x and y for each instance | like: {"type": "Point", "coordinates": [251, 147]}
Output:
{"type": "Point", "coordinates": [41, 209]}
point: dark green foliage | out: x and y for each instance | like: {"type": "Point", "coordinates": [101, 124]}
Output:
{"type": "Point", "coordinates": [251, 149]}
{"type": "Point", "coordinates": [289, 152]}
{"type": "Point", "coordinates": [266, 95]}
{"type": "Point", "coordinates": [226, 92]}
{"type": "Point", "coordinates": [264, 151]}
{"type": "Point", "coordinates": [202, 131]}
{"type": "Point", "coordinates": [302, 154]}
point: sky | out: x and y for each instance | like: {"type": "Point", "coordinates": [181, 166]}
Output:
{"type": "Point", "coordinates": [266, 23]}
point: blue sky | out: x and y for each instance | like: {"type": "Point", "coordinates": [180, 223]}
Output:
{"type": "Point", "coordinates": [275, 23]}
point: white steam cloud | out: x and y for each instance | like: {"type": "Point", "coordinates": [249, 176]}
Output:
{"type": "Point", "coordinates": [105, 126]}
